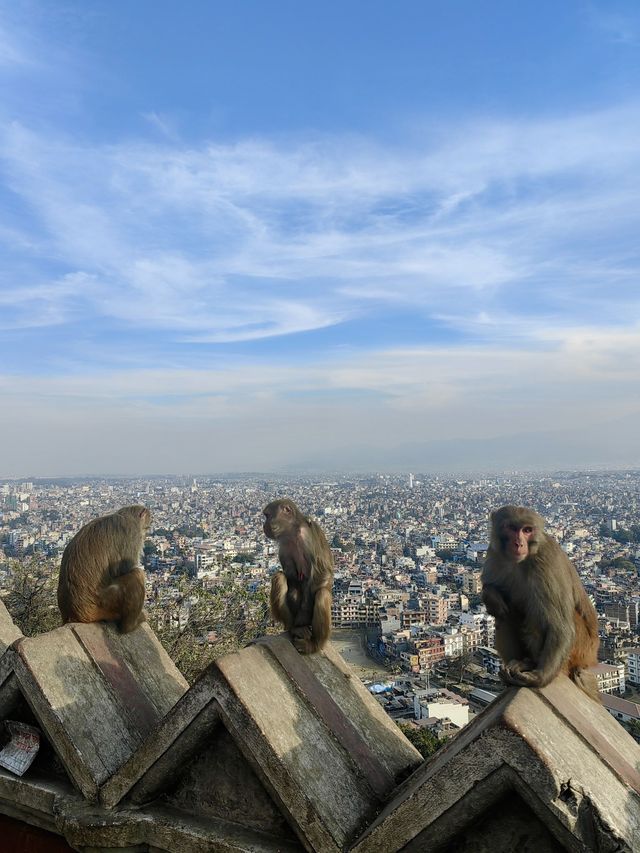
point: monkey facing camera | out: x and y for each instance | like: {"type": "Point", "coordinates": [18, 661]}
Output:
{"type": "Point", "coordinates": [545, 622]}
{"type": "Point", "coordinates": [100, 576]}
{"type": "Point", "coordinates": [301, 591]}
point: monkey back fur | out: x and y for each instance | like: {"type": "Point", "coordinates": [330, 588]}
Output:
{"type": "Point", "coordinates": [99, 574]}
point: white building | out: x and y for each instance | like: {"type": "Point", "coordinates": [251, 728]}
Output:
{"type": "Point", "coordinates": [356, 612]}
{"type": "Point", "coordinates": [453, 643]}
{"type": "Point", "coordinates": [440, 704]}
{"type": "Point", "coordinates": [205, 559]}
{"type": "Point", "coordinates": [623, 710]}
{"type": "Point", "coordinates": [633, 666]}
{"type": "Point", "coordinates": [471, 583]}
{"type": "Point", "coordinates": [471, 637]}
{"type": "Point", "coordinates": [485, 622]}
{"type": "Point", "coordinates": [610, 677]}
{"type": "Point", "coordinates": [355, 589]}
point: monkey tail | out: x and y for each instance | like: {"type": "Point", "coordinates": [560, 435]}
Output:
{"type": "Point", "coordinates": [587, 682]}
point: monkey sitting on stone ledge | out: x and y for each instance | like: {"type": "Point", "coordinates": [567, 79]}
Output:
{"type": "Point", "coordinates": [301, 592]}
{"type": "Point", "coordinates": [100, 577]}
{"type": "Point", "coordinates": [545, 622]}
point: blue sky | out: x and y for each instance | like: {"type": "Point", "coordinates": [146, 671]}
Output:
{"type": "Point", "coordinates": [281, 235]}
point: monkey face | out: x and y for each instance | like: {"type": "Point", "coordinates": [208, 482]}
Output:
{"type": "Point", "coordinates": [278, 518]}
{"type": "Point", "coordinates": [516, 532]}
{"type": "Point", "coordinates": [518, 541]}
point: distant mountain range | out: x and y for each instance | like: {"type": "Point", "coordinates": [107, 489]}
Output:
{"type": "Point", "coordinates": [613, 448]}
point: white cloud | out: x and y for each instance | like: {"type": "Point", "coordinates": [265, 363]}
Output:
{"type": "Point", "coordinates": [515, 240]}
{"type": "Point", "coordinates": [570, 364]}
{"type": "Point", "coordinates": [258, 416]}
{"type": "Point", "coordinates": [237, 241]}
{"type": "Point", "coordinates": [13, 50]}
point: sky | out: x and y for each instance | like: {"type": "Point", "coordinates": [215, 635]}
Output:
{"type": "Point", "coordinates": [318, 236]}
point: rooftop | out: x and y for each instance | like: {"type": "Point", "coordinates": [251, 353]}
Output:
{"type": "Point", "coordinates": [273, 751]}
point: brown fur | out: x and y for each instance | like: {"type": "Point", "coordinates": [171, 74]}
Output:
{"type": "Point", "coordinates": [99, 575]}
{"type": "Point", "coordinates": [545, 622]}
{"type": "Point", "coordinates": [301, 592]}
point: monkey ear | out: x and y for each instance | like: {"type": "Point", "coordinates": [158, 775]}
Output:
{"type": "Point", "coordinates": [286, 507]}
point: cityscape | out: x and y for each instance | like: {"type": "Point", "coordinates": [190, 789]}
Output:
{"type": "Point", "coordinates": [408, 549]}
{"type": "Point", "coordinates": [377, 259]}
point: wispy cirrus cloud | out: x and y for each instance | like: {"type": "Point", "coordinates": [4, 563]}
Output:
{"type": "Point", "coordinates": [576, 362]}
{"type": "Point", "coordinates": [176, 283]}
{"type": "Point", "coordinates": [17, 47]}
{"type": "Point", "coordinates": [259, 238]}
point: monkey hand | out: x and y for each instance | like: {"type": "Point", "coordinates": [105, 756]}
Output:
{"type": "Point", "coordinates": [519, 672]}
{"type": "Point", "coordinates": [301, 632]}
{"type": "Point", "coordinates": [532, 678]}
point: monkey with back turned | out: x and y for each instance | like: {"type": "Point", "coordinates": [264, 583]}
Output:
{"type": "Point", "coordinates": [100, 577]}
{"type": "Point", "coordinates": [545, 622]}
{"type": "Point", "coordinates": [301, 591]}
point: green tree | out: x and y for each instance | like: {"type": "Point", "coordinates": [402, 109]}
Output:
{"type": "Point", "coordinates": [460, 664]}
{"type": "Point", "coordinates": [200, 625]}
{"type": "Point", "coordinates": [424, 741]}
{"type": "Point", "coordinates": [621, 535]}
{"type": "Point", "coordinates": [243, 558]}
{"type": "Point", "coordinates": [633, 727]}
{"type": "Point", "coordinates": [31, 595]}
{"type": "Point", "coordinates": [192, 531]}
{"type": "Point", "coordinates": [195, 628]}
{"type": "Point", "coordinates": [620, 563]}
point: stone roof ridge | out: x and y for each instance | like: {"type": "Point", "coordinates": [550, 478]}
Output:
{"type": "Point", "coordinates": [595, 726]}
{"type": "Point", "coordinates": [549, 768]}
{"type": "Point", "coordinates": [301, 732]}
{"type": "Point", "coordinates": [273, 751]}
{"type": "Point", "coordinates": [95, 694]}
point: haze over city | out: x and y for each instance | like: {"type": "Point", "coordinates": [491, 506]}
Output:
{"type": "Point", "coordinates": [280, 237]}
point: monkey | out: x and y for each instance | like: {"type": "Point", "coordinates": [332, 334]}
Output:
{"type": "Point", "coordinates": [100, 578]}
{"type": "Point", "coordinates": [545, 622]}
{"type": "Point", "coordinates": [301, 592]}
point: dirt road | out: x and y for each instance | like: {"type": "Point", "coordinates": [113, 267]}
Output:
{"type": "Point", "coordinates": [350, 643]}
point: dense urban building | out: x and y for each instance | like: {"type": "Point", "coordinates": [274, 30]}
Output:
{"type": "Point", "coordinates": [408, 555]}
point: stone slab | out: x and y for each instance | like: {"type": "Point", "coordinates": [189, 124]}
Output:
{"type": "Point", "coordinates": [97, 694]}
{"type": "Point", "coordinates": [541, 744]}
{"type": "Point", "coordinates": [175, 740]}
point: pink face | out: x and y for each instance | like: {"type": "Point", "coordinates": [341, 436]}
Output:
{"type": "Point", "coordinates": [517, 541]}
